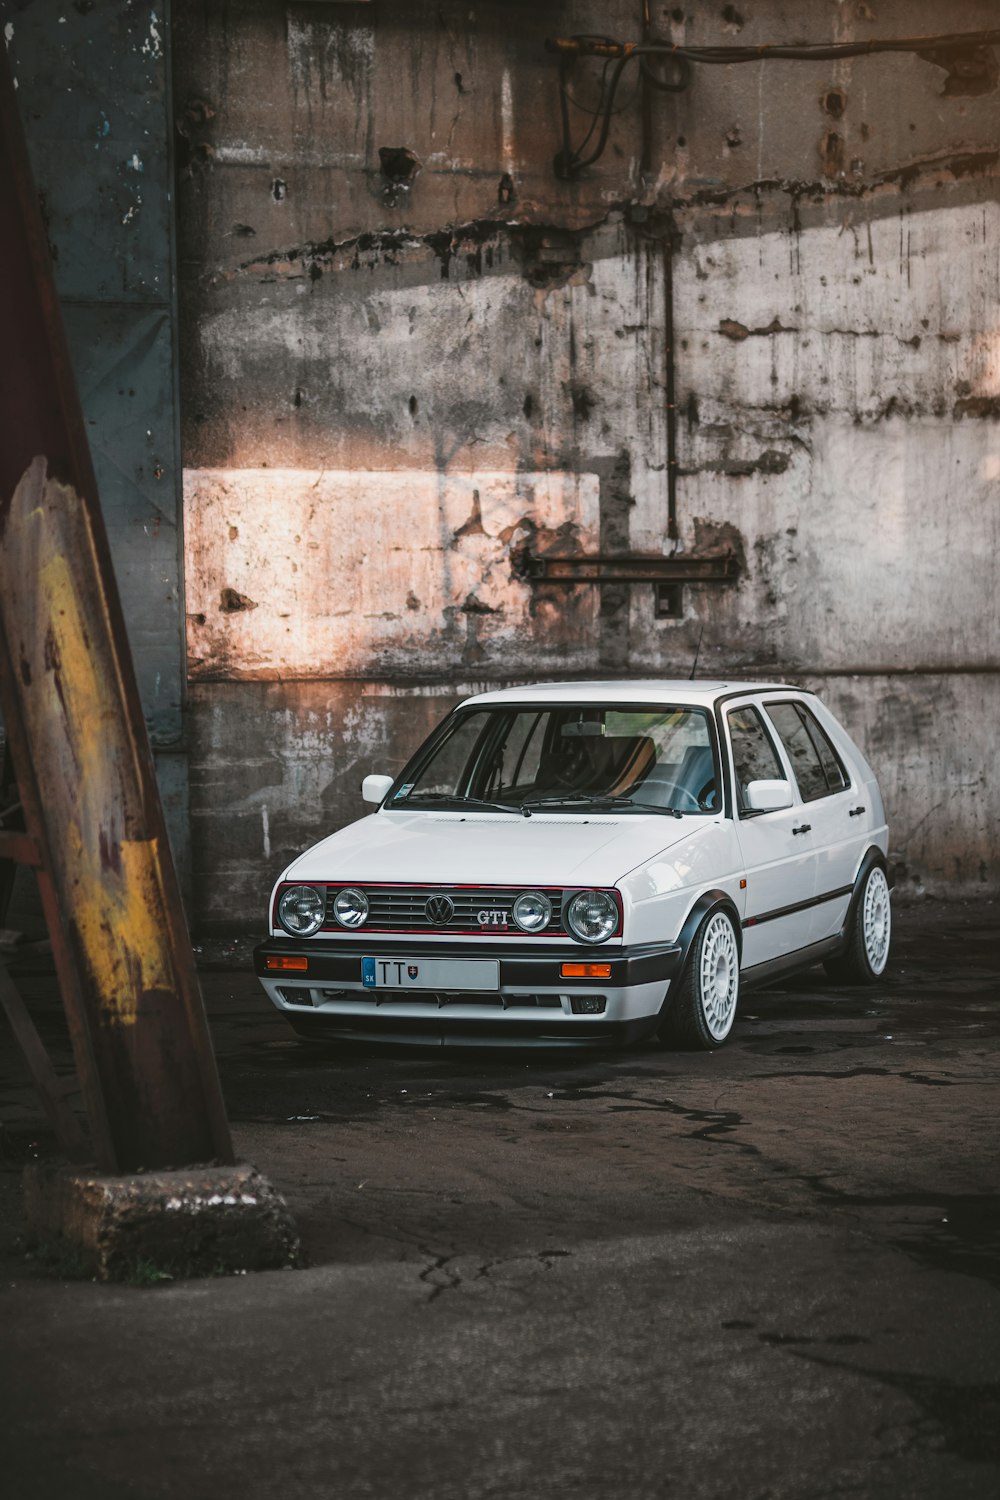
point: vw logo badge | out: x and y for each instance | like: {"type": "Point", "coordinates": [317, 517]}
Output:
{"type": "Point", "coordinates": [439, 910]}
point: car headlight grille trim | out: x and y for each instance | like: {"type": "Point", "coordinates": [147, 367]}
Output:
{"type": "Point", "coordinates": [475, 910]}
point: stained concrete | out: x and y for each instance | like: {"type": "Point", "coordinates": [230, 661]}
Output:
{"type": "Point", "coordinates": [771, 1270]}
{"type": "Point", "coordinates": [361, 349]}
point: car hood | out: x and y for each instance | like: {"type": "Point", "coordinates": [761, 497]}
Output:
{"type": "Point", "coordinates": [448, 848]}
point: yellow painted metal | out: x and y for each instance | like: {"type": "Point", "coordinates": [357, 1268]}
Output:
{"type": "Point", "coordinates": [113, 876]}
{"type": "Point", "coordinates": [71, 710]}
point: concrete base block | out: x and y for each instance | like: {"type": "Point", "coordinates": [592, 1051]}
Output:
{"type": "Point", "coordinates": [201, 1221]}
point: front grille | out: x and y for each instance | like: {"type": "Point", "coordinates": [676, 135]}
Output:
{"type": "Point", "coordinates": [402, 908]}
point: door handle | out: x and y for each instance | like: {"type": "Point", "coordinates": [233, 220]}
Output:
{"type": "Point", "coordinates": [803, 828]}
{"type": "Point", "coordinates": [855, 812]}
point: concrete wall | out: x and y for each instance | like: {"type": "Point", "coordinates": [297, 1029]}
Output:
{"type": "Point", "coordinates": [393, 390]}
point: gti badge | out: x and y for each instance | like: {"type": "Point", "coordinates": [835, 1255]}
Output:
{"type": "Point", "coordinates": [439, 910]}
{"type": "Point", "coordinates": [492, 916]}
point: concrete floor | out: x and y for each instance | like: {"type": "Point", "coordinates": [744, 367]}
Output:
{"type": "Point", "coordinates": [766, 1272]}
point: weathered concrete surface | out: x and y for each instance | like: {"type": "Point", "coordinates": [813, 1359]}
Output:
{"type": "Point", "coordinates": [322, 582]}
{"type": "Point", "coordinates": [766, 1271]}
{"type": "Point", "coordinates": [202, 1221]}
{"type": "Point", "coordinates": [283, 113]}
{"type": "Point", "coordinates": [481, 323]}
{"type": "Point", "coordinates": [270, 760]}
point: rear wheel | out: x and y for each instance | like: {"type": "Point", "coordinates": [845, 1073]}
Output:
{"type": "Point", "coordinates": [869, 934]}
{"type": "Point", "coordinates": [701, 1013]}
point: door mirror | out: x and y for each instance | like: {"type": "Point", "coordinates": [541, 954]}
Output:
{"type": "Point", "coordinates": [374, 788]}
{"type": "Point", "coordinates": [767, 796]}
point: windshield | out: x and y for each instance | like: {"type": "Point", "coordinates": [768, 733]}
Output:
{"type": "Point", "coordinates": [652, 757]}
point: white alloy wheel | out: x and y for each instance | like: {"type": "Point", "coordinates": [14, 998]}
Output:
{"type": "Point", "coordinates": [719, 976]}
{"type": "Point", "coordinates": [867, 937]}
{"type": "Point", "coordinates": [876, 920]}
{"type": "Point", "coordinates": [700, 1006]}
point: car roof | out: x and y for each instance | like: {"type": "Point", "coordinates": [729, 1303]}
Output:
{"type": "Point", "coordinates": [698, 693]}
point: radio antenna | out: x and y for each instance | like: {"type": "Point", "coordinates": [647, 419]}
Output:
{"type": "Point", "coordinates": [697, 653]}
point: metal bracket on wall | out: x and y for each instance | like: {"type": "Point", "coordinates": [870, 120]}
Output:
{"type": "Point", "coordinates": [666, 574]}
{"type": "Point", "coordinates": [598, 568]}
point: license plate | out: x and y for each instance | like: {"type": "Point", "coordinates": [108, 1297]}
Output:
{"type": "Point", "coordinates": [430, 973]}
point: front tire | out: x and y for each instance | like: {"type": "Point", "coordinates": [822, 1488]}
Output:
{"type": "Point", "coordinates": [701, 1013]}
{"type": "Point", "coordinates": [869, 934]}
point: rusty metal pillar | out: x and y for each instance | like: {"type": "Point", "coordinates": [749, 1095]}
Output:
{"type": "Point", "coordinates": [94, 824]}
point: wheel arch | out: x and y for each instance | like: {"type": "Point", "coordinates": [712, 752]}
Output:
{"type": "Point", "coordinates": [872, 858]}
{"type": "Point", "coordinates": [706, 903]}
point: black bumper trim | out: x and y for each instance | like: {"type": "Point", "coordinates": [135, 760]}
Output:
{"type": "Point", "coordinates": [525, 967]}
{"type": "Point", "coordinates": [580, 1032]}
{"type": "Point", "coordinates": [797, 906]}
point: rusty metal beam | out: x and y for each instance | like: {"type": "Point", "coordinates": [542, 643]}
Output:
{"type": "Point", "coordinates": [596, 569]}
{"type": "Point", "coordinates": [78, 740]}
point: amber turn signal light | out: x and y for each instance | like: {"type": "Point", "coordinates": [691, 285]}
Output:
{"type": "Point", "coordinates": [286, 962]}
{"type": "Point", "coordinates": [585, 971]}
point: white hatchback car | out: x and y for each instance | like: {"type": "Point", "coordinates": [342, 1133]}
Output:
{"type": "Point", "coordinates": [588, 862]}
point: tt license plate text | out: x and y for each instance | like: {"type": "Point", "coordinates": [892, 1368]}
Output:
{"type": "Point", "coordinates": [430, 973]}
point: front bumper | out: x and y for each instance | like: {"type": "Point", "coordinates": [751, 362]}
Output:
{"type": "Point", "coordinates": [534, 1003]}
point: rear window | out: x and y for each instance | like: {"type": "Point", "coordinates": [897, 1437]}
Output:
{"type": "Point", "coordinates": [816, 765]}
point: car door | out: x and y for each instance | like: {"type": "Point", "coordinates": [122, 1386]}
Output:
{"type": "Point", "coordinates": [778, 857]}
{"type": "Point", "coordinates": [829, 807]}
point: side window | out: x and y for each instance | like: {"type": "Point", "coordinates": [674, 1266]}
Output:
{"type": "Point", "coordinates": [836, 777]}
{"type": "Point", "coordinates": [806, 763]}
{"type": "Point", "coordinates": [754, 756]}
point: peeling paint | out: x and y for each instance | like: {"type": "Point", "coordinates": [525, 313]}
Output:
{"type": "Point", "coordinates": [115, 877]}
{"type": "Point", "coordinates": [152, 47]}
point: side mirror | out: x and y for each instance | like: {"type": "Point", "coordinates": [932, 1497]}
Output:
{"type": "Point", "coordinates": [374, 788]}
{"type": "Point", "coordinates": [767, 796]}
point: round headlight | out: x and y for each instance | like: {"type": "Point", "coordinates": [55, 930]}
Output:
{"type": "Point", "coordinates": [591, 916]}
{"type": "Point", "coordinates": [532, 911]}
{"type": "Point", "coordinates": [350, 907]}
{"type": "Point", "coordinates": [301, 909]}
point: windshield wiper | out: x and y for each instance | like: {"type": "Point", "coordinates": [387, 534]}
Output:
{"type": "Point", "coordinates": [457, 797]}
{"type": "Point", "coordinates": [606, 799]}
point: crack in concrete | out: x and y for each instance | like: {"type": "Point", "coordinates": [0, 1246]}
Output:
{"type": "Point", "coordinates": [717, 1123]}
{"type": "Point", "coordinates": [446, 242]}
{"type": "Point", "coordinates": [438, 1266]}
{"type": "Point", "coordinates": [442, 1275]}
